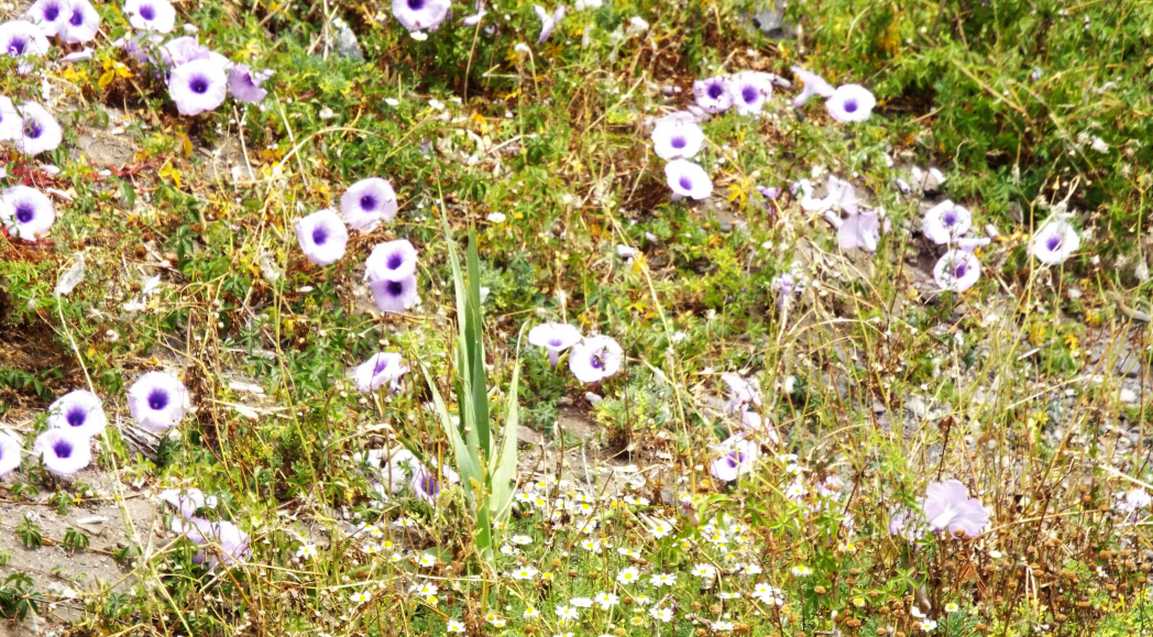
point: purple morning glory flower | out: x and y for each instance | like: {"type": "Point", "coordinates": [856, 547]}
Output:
{"type": "Point", "coordinates": [81, 24]}
{"type": "Point", "coordinates": [322, 236]}
{"type": "Point", "coordinates": [677, 137]}
{"type": "Point", "coordinates": [368, 202]}
{"type": "Point", "coordinates": [901, 524]}
{"type": "Point", "coordinates": [20, 38]}
{"type": "Point", "coordinates": [548, 21]}
{"type": "Point", "coordinates": [182, 50]}
{"type": "Point", "coordinates": [839, 195]}
{"type": "Point", "coordinates": [688, 179]}
{"type": "Point", "coordinates": [11, 452]}
{"type": "Point", "coordinates": [139, 47]}
{"type": "Point", "coordinates": [769, 192]}
{"type": "Point", "coordinates": [742, 392]}
{"type": "Point", "coordinates": [555, 337]}
{"type": "Point", "coordinates": [946, 222]}
{"type": "Point", "coordinates": [739, 456]}
{"type": "Point", "coordinates": [26, 212]}
{"type": "Point", "coordinates": [158, 401]}
{"type": "Point", "coordinates": [385, 368]}
{"type": "Point", "coordinates": [421, 15]}
{"type": "Point", "coordinates": [861, 230]}
{"type": "Point", "coordinates": [787, 285]}
{"type": "Point", "coordinates": [63, 451]}
{"type": "Point", "coordinates": [39, 130]}
{"type": "Point", "coordinates": [245, 85]}
{"type": "Point", "coordinates": [11, 124]}
{"type": "Point", "coordinates": [222, 542]}
{"type": "Point", "coordinates": [595, 358]}
{"type": "Point", "coordinates": [750, 90]}
{"type": "Point", "coordinates": [425, 484]}
{"type": "Point", "coordinates": [851, 103]}
{"type": "Point", "coordinates": [198, 86]}
{"type": "Point", "coordinates": [1054, 242]}
{"type": "Point", "coordinates": [80, 410]}
{"type": "Point", "coordinates": [188, 501]}
{"type": "Point", "coordinates": [813, 84]}
{"type": "Point", "coordinates": [49, 15]}
{"type": "Point", "coordinates": [957, 270]}
{"type": "Point", "coordinates": [396, 472]}
{"type": "Point", "coordinates": [394, 296]}
{"type": "Point", "coordinates": [948, 507]}
{"type": "Point", "coordinates": [151, 15]}
{"type": "Point", "coordinates": [391, 261]}
{"type": "Point", "coordinates": [713, 94]}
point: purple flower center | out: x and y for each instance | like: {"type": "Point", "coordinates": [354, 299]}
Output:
{"type": "Point", "coordinates": [716, 90]}
{"type": "Point", "coordinates": [555, 342]}
{"type": "Point", "coordinates": [678, 142]}
{"type": "Point", "coordinates": [850, 106]}
{"type": "Point", "coordinates": [597, 361]}
{"type": "Point", "coordinates": [394, 261]}
{"type": "Point", "coordinates": [51, 12]}
{"type": "Point", "coordinates": [416, 5]}
{"type": "Point", "coordinates": [750, 94]}
{"type": "Point", "coordinates": [960, 270]}
{"type": "Point", "coordinates": [62, 449]}
{"type": "Point", "coordinates": [319, 235]}
{"type": "Point", "coordinates": [368, 202]}
{"type": "Point", "coordinates": [428, 484]}
{"type": "Point", "coordinates": [76, 417]}
{"type": "Point", "coordinates": [147, 12]}
{"type": "Point", "coordinates": [77, 18]}
{"type": "Point", "coordinates": [394, 288]}
{"type": "Point", "coordinates": [158, 399]}
{"type": "Point", "coordinates": [17, 45]}
{"type": "Point", "coordinates": [198, 84]}
{"type": "Point", "coordinates": [25, 213]}
{"type": "Point", "coordinates": [1053, 243]}
{"type": "Point", "coordinates": [734, 458]}
{"type": "Point", "coordinates": [381, 365]}
{"type": "Point", "coordinates": [32, 129]}
{"type": "Point", "coordinates": [949, 218]}
{"type": "Point", "coordinates": [685, 183]}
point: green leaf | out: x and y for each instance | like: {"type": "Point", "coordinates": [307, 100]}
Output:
{"type": "Point", "coordinates": [504, 472]}
{"type": "Point", "coordinates": [474, 346]}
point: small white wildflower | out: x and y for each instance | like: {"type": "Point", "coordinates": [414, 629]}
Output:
{"type": "Point", "coordinates": [524, 573]}
{"type": "Point", "coordinates": [606, 600]}
{"type": "Point", "coordinates": [767, 594]}
{"type": "Point", "coordinates": [660, 528]}
{"type": "Point", "coordinates": [628, 575]}
{"type": "Point", "coordinates": [306, 551]}
{"type": "Point", "coordinates": [705, 571]}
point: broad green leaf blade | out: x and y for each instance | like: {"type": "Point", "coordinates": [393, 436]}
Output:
{"type": "Point", "coordinates": [504, 472]}
{"type": "Point", "coordinates": [464, 368]}
{"type": "Point", "coordinates": [474, 341]}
